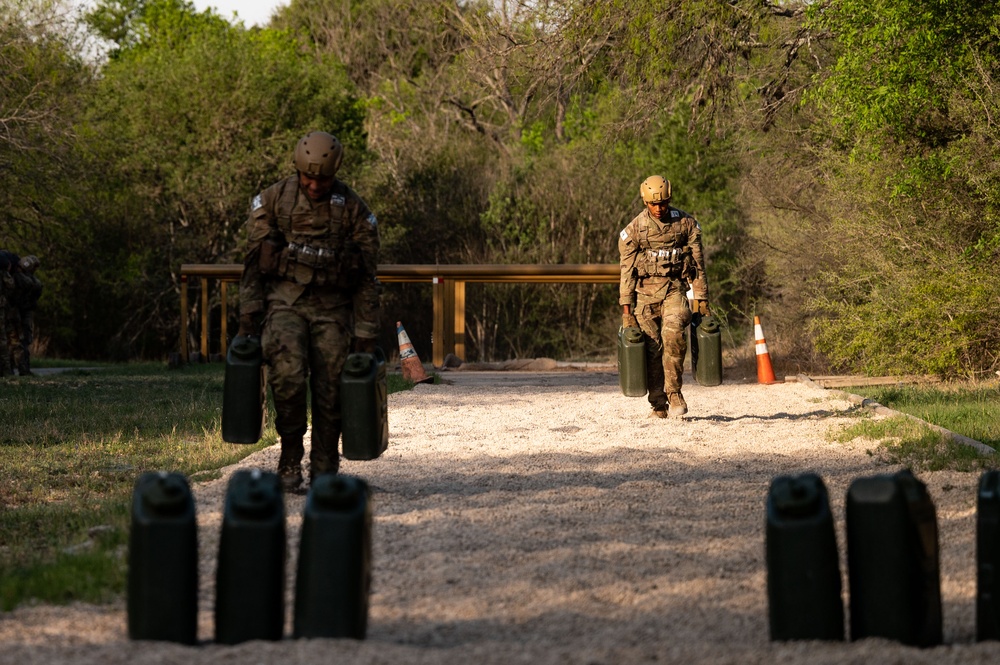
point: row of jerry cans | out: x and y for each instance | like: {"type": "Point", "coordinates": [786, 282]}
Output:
{"type": "Point", "coordinates": [892, 559]}
{"type": "Point", "coordinates": [364, 399]}
{"type": "Point", "coordinates": [334, 564]}
{"type": "Point", "coordinates": [705, 341]}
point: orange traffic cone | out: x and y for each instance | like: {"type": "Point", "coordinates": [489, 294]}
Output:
{"type": "Point", "coordinates": [765, 374]}
{"type": "Point", "coordinates": [409, 361]}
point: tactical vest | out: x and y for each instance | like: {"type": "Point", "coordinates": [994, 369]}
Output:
{"type": "Point", "coordinates": [27, 290]}
{"type": "Point", "coordinates": [662, 253]}
{"type": "Point", "coordinates": [315, 250]}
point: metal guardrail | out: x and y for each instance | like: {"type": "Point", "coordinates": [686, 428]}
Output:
{"type": "Point", "coordinates": [448, 293]}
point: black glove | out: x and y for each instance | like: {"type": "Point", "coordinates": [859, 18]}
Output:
{"type": "Point", "coordinates": [249, 325]}
{"type": "Point", "coordinates": [364, 345]}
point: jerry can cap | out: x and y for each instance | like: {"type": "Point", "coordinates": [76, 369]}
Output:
{"type": "Point", "coordinates": [337, 492]}
{"type": "Point", "coordinates": [245, 347]}
{"type": "Point", "coordinates": [166, 495]}
{"type": "Point", "coordinates": [254, 493]}
{"type": "Point", "coordinates": [709, 324]}
{"type": "Point", "coordinates": [359, 364]}
{"type": "Point", "coordinates": [796, 496]}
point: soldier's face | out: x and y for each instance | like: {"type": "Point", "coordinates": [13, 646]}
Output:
{"type": "Point", "coordinates": [657, 208]}
{"type": "Point", "coordinates": [315, 187]}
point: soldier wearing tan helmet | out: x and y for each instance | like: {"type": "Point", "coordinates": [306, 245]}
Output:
{"type": "Point", "coordinates": [661, 257]}
{"type": "Point", "coordinates": [309, 290]}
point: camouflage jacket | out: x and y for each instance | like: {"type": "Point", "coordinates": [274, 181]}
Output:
{"type": "Point", "coordinates": [330, 248]}
{"type": "Point", "coordinates": [654, 254]}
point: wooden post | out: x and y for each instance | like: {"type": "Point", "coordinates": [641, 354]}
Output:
{"type": "Point", "coordinates": [224, 298]}
{"type": "Point", "coordinates": [459, 326]}
{"type": "Point", "coordinates": [204, 319]}
{"type": "Point", "coordinates": [437, 335]}
{"type": "Point", "coordinates": [184, 319]}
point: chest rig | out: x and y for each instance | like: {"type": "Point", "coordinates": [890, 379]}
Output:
{"type": "Point", "coordinates": [662, 252]}
{"type": "Point", "coordinates": [315, 234]}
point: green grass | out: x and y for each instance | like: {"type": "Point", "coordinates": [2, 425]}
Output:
{"type": "Point", "coordinates": [71, 448]}
{"type": "Point", "coordinates": [972, 410]}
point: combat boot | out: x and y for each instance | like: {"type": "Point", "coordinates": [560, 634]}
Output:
{"type": "Point", "coordinates": [658, 412]}
{"type": "Point", "coordinates": [290, 464]}
{"type": "Point", "coordinates": [678, 407]}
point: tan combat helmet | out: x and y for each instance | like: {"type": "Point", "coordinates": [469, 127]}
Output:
{"type": "Point", "coordinates": [655, 188]}
{"type": "Point", "coordinates": [29, 264]}
{"type": "Point", "coordinates": [319, 154]}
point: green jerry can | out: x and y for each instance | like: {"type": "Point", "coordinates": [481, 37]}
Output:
{"type": "Point", "coordinates": [364, 406]}
{"type": "Point", "coordinates": [892, 560]}
{"type": "Point", "coordinates": [706, 351]}
{"type": "Point", "coordinates": [243, 391]}
{"type": "Point", "coordinates": [632, 362]}
{"type": "Point", "coordinates": [334, 569]}
{"type": "Point", "coordinates": [803, 568]}
{"type": "Point", "coordinates": [163, 560]}
{"type": "Point", "coordinates": [250, 578]}
{"type": "Point", "coordinates": [988, 557]}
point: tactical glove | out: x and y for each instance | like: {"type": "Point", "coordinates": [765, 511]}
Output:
{"type": "Point", "coordinates": [364, 345]}
{"type": "Point", "coordinates": [703, 308]}
{"type": "Point", "coordinates": [629, 321]}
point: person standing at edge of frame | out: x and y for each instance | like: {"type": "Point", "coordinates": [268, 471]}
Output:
{"type": "Point", "coordinates": [309, 288]}
{"type": "Point", "coordinates": [660, 255]}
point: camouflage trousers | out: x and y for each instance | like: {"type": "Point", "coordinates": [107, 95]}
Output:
{"type": "Point", "coordinates": [663, 323]}
{"type": "Point", "coordinates": [17, 344]}
{"type": "Point", "coordinates": [5, 367]}
{"type": "Point", "coordinates": [304, 347]}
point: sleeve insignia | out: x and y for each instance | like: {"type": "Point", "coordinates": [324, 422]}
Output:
{"type": "Point", "coordinates": [257, 203]}
{"type": "Point", "coordinates": [675, 213]}
{"type": "Point", "coordinates": [623, 235]}
{"type": "Point", "coordinates": [372, 220]}
{"type": "Point", "coordinates": [337, 200]}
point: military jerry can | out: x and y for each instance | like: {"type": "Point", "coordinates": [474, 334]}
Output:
{"type": "Point", "coordinates": [632, 362]}
{"type": "Point", "coordinates": [334, 568]}
{"type": "Point", "coordinates": [364, 406]}
{"type": "Point", "coordinates": [988, 557]}
{"type": "Point", "coordinates": [243, 391]}
{"type": "Point", "coordinates": [892, 559]}
{"type": "Point", "coordinates": [250, 579]}
{"type": "Point", "coordinates": [803, 569]}
{"type": "Point", "coordinates": [163, 560]}
{"type": "Point", "coordinates": [706, 352]}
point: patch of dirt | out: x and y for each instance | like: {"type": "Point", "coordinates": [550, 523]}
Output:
{"type": "Point", "coordinates": [542, 518]}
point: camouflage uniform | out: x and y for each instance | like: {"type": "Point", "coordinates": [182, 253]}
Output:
{"type": "Point", "coordinates": [20, 319]}
{"type": "Point", "coordinates": [310, 269]}
{"type": "Point", "coordinates": [659, 260]}
{"type": "Point", "coordinates": [7, 261]}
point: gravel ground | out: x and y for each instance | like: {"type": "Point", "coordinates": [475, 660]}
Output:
{"type": "Point", "coordinates": [542, 518]}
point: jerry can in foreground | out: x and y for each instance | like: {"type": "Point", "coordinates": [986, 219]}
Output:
{"type": "Point", "coordinates": [243, 391]}
{"type": "Point", "coordinates": [334, 568]}
{"type": "Point", "coordinates": [706, 352]}
{"type": "Point", "coordinates": [803, 569]}
{"type": "Point", "coordinates": [250, 579]}
{"type": "Point", "coordinates": [988, 557]}
{"type": "Point", "coordinates": [364, 406]}
{"type": "Point", "coordinates": [631, 362]}
{"type": "Point", "coordinates": [892, 560]}
{"type": "Point", "coordinates": [163, 560]}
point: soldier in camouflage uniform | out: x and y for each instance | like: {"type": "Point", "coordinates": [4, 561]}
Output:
{"type": "Point", "coordinates": [661, 256]}
{"type": "Point", "coordinates": [309, 288]}
{"type": "Point", "coordinates": [20, 313]}
{"type": "Point", "coordinates": [7, 261]}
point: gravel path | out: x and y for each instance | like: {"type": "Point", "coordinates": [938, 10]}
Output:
{"type": "Point", "coordinates": [542, 518]}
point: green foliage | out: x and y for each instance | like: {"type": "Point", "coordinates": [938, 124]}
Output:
{"type": "Point", "coordinates": [914, 445]}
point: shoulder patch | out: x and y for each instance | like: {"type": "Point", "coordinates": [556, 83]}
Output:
{"type": "Point", "coordinates": [372, 220]}
{"type": "Point", "coordinates": [675, 213]}
{"type": "Point", "coordinates": [623, 235]}
{"type": "Point", "coordinates": [337, 200]}
{"type": "Point", "coordinates": [257, 203]}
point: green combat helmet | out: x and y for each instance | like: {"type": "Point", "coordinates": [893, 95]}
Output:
{"type": "Point", "coordinates": [319, 154]}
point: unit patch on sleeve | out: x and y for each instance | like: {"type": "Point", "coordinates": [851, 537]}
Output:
{"type": "Point", "coordinates": [337, 200]}
{"type": "Point", "coordinates": [623, 235]}
{"type": "Point", "coordinates": [372, 220]}
{"type": "Point", "coordinates": [257, 203]}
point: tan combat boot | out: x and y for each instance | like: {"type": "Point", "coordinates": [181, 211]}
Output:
{"type": "Point", "coordinates": [678, 407]}
{"type": "Point", "coordinates": [658, 412]}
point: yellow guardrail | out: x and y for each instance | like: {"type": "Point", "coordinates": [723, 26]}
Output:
{"type": "Point", "coordinates": [448, 293]}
